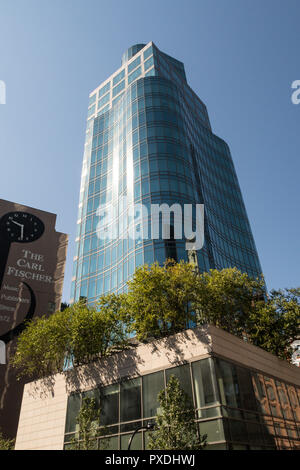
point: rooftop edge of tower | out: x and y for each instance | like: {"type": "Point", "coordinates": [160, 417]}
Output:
{"type": "Point", "coordinates": [131, 51]}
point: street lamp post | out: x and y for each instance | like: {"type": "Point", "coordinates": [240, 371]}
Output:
{"type": "Point", "coordinates": [148, 426]}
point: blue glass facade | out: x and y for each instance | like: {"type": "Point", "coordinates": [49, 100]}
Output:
{"type": "Point", "coordinates": [149, 140]}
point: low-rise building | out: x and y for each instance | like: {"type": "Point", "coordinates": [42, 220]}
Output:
{"type": "Point", "coordinates": [244, 397]}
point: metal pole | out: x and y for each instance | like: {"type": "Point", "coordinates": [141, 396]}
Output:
{"type": "Point", "coordinates": [140, 428]}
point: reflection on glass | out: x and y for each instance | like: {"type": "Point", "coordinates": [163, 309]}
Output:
{"type": "Point", "coordinates": [73, 410]}
{"type": "Point", "coordinates": [109, 404]}
{"type": "Point", "coordinates": [109, 443]}
{"type": "Point", "coordinates": [152, 385]}
{"type": "Point", "coordinates": [247, 397]}
{"type": "Point", "coordinates": [184, 376]}
{"type": "Point", "coordinates": [273, 398]}
{"type": "Point", "coordinates": [228, 384]}
{"type": "Point", "coordinates": [131, 400]}
{"type": "Point", "coordinates": [136, 443]}
{"type": "Point", "coordinates": [204, 386]}
{"type": "Point", "coordinates": [214, 430]}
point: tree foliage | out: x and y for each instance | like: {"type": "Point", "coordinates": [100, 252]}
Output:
{"type": "Point", "coordinates": [175, 427]}
{"type": "Point", "coordinates": [64, 306]}
{"type": "Point", "coordinates": [226, 298]}
{"type": "Point", "coordinates": [81, 331]}
{"type": "Point", "coordinates": [41, 347]}
{"type": "Point", "coordinates": [88, 423]}
{"type": "Point", "coordinates": [161, 300]}
{"type": "Point", "coordinates": [276, 323]}
{"type": "Point", "coordinates": [6, 444]}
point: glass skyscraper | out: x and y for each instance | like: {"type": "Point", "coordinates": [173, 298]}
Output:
{"type": "Point", "coordinates": [149, 140]}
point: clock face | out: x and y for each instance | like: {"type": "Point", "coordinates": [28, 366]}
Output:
{"type": "Point", "coordinates": [21, 227]}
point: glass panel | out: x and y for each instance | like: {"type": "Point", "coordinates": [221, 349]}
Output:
{"type": "Point", "coordinates": [213, 429]}
{"type": "Point", "coordinates": [146, 439]}
{"type": "Point", "coordinates": [107, 430]}
{"type": "Point", "coordinates": [104, 100]}
{"type": "Point", "coordinates": [68, 447]}
{"type": "Point", "coordinates": [254, 433]}
{"type": "Point", "coordinates": [205, 393]}
{"type": "Point", "coordinates": [152, 385]}
{"type": "Point", "coordinates": [93, 444]}
{"type": "Point", "coordinates": [252, 417]}
{"type": "Point", "coordinates": [134, 75]}
{"type": "Point", "coordinates": [118, 77]}
{"type": "Point", "coordinates": [131, 400]}
{"type": "Point", "coordinates": [260, 393]}
{"type": "Point", "coordinates": [238, 431]}
{"type": "Point", "coordinates": [95, 394]}
{"type": "Point", "coordinates": [74, 402]}
{"type": "Point", "coordinates": [109, 404]}
{"type": "Point", "coordinates": [148, 52]}
{"type": "Point", "coordinates": [216, 447]}
{"type": "Point", "coordinates": [295, 402]}
{"type": "Point", "coordinates": [119, 88]}
{"type": "Point", "coordinates": [118, 98]}
{"type": "Point", "coordinates": [109, 443]}
{"type": "Point", "coordinates": [228, 384]}
{"type": "Point", "coordinates": [134, 64]}
{"type": "Point", "coordinates": [248, 401]}
{"type": "Point", "coordinates": [151, 73]}
{"type": "Point", "coordinates": [104, 89]}
{"type": "Point", "coordinates": [268, 431]}
{"type": "Point", "coordinates": [92, 99]}
{"type": "Point", "coordinates": [131, 426]}
{"type": "Point", "coordinates": [273, 397]}
{"type": "Point", "coordinates": [184, 376]}
{"type": "Point", "coordinates": [136, 443]}
{"type": "Point", "coordinates": [148, 63]}
{"type": "Point", "coordinates": [280, 428]}
{"type": "Point", "coordinates": [103, 110]}
{"type": "Point", "coordinates": [91, 111]}
{"type": "Point", "coordinates": [284, 400]}
{"type": "Point", "coordinates": [209, 412]}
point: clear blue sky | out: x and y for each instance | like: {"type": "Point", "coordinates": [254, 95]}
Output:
{"type": "Point", "coordinates": [241, 57]}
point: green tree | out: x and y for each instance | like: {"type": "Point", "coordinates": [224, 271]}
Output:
{"type": "Point", "coordinates": [6, 444]}
{"type": "Point", "coordinates": [82, 332]}
{"type": "Point", "coordinates": [97, 331]}
{"type": "Point", "coordinates": [275, 324]}
{"type": "Point", "coordinates": [64, 306]}
{"type": "Point", "coordinates": [88, 420]}
{"type": "Point", "coordinates": [226, 298]}
{"type": "Point", "coordinates": [175, 427]}
{"type": "Point", "coordinates": [41, 347]}
{"type": "Point", "coordinates": [161, 300]}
